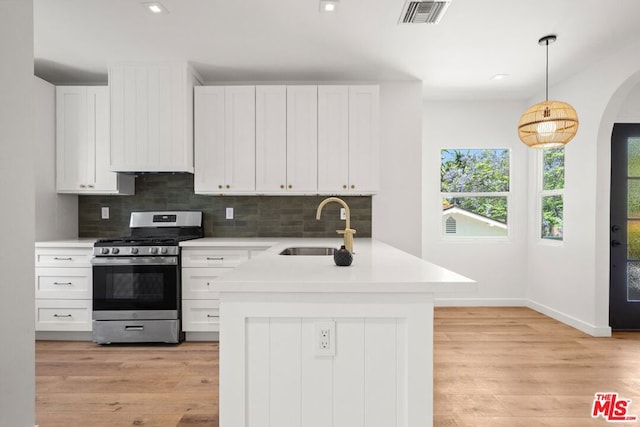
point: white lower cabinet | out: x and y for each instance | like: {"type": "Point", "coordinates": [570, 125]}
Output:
{"type": "Point", "coordinates": [63, 315]}
{"type": "Point", "coordinates": [63, 289]}
{"type": "Point", "coordinates": [201, 315]}
{"type": "Point", "coordinates": [201, 269]}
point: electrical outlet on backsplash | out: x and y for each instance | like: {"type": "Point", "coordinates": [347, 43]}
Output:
{"type": "Point", "coordinates": [254, 216]}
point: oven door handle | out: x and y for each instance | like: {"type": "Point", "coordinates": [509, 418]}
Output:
{"type": "Point", "coordinates": [140, 260]}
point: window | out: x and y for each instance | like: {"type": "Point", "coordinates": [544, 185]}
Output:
{"type": "Point", "coordinates": [552, 194]}
{"type": "Point", "coordinates": [474, 185]}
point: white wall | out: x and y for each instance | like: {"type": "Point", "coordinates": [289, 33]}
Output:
{"type": "Point", "coordinates": [56, 214]}
{"type": "Point", "coordinates": [497, 265]}
{"type": "Point", "coordinates": [630, 109]}
{"type": "Point", "coordinates": [571, 282]}
{"type": "Point", "coordinates": [17, 361]}
{"type": "Point", "coordinates": [397, 208]}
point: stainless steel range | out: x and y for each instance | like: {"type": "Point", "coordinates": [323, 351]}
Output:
{"type": "Point", "coordinates": [136, 279]}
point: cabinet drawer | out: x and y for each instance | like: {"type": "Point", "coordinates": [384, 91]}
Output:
{"type": "Point", "coordinates": [201, 315]}
{"type": "Point", "coordinates": [201, 283]}
{"type": "Point", "coordinates": [63, 283]}
{"type": "Point", "coordinates": [214, 257]}
{"type": "Point", "coordinates": [63, 315]}
{"type": "Point", "coordinates": [63, 257]}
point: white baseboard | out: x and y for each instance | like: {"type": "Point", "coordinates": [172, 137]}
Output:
{"type": "Point", "coordinates": [587, 328]}
{"type": "Point", "coordinates": [480, 302]}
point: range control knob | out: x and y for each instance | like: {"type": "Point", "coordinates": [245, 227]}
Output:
{"type": "Point", "coordinates": [134, 250]}
{"type": "Point", "coordinates": [115, 251]}
{"type": "Point", "coordinates": [163, 250]}
{"type": "Point", "coordinates": [153, 250]}
{"type": "Point", "coordinates": [104, 251]}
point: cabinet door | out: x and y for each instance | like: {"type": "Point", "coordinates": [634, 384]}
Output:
{"type": "Point", "coordinates": [83, 143]}
{"type": "Point", "coordinates": [302, 139]}
{"type": "Point", "coordinates": [63, 315]}
{"type": "Point", "coordinates": [71, 138]}
{"type": "Point", "coordinates": [63, 257]}
{"type": "Point", "coordinates": [99, 175]}
{"type": "Point", "coordinates": [209, 139]}
{"type": "Point", "coordinates": [213, 257]}
{"type": "Point", "coordinates": [64, 283]}
{"type": "Point", "coordinates": [271, 138]}
{"type": "Point", "coordinates": [363, 138]}
{"type": "Point", "coordinates": [240, 139]}
{"type": "Point", "coordinates": [200, 283]}
{"type": "Point", "coordinates": [224, 139]}
{"type": "Point", "coordinates": [201, 315]}
{"type": "Point", "coordinates": [333, 139]}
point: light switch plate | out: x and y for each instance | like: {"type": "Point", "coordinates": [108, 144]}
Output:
{"type": "Point", "coordinates": [104, 212]}
{"type": "Point", "coordinates": [229, 213]}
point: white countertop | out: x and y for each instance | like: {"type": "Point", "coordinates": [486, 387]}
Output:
{"type": "Point", "coordinates": [82, 242]}
{"type": "Point", "coordinates": [253, 242]}
{"type": "Point", "coordinates": [376, 267]}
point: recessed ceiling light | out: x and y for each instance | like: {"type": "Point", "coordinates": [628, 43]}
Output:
{"type": "Point", "coordinates": [156, 7]}
{"type": "Point", "coordinates": [499, 76]}
{"type": "Point", "coordinates": [328, 5]}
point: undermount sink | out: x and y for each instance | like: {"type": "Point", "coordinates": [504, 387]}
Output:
{"type": "Point", "coordinates": [308, 251]}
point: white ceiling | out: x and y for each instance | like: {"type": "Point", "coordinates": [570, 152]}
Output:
{"type": "Point", "coordinates": [290, 41]}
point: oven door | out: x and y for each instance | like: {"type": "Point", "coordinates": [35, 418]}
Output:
{"type": "Point", "coordinates": [144, 288]}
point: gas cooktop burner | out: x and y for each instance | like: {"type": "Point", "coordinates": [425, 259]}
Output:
{"type": "Point", "coordinates": [152, 233]}
{"type": "Point", "coordinates": [143, 241]}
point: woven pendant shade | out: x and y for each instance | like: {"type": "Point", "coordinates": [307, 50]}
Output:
{"type": "Point", "coordinates": [548, 124]}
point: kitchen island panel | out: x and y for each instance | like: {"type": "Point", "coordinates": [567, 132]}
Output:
{"type": "Point", "coordinates": [367, 382]}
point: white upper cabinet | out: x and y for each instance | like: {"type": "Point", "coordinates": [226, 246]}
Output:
{"type": "Point", "coordinates": [348, 139]}
{"type": "Point", "coordinates": [333, 139]}
{"type": "Point", "coordinates": [302, 139]}
{"type": "Point", "coordinates": [271, 139]}
{"type": "Point", "coordinates": [82, 143]}
{"type": "Point", "coordinates": [152, 117]}
{"type": "Point", "coordinates": [286, 139]}
{"type": "Point", "coordinates": [225, 139]}
{"type": "Point", "coordinates": [364, 114]}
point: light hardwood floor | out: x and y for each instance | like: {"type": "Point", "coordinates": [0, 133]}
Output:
{"type": "Point", "coordinates": [493, 367]}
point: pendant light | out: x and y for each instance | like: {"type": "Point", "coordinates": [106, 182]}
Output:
{"type": "Point", "coordinates": [548, 124]}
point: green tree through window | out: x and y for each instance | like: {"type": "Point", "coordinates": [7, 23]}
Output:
{"type": "Point", "coordinates": [479, 177]}
{"type": "Point", "coordinates": [552, 194]}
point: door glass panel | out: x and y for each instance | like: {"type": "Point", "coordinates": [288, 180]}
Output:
{"type": "Point", "coordinates": [633, 198]}
{"type": "Point", "coordinates": [634, 157]}
{"type": "Point", "coordinates": [633, 239]}
{"type": "Point", "coordinates": [633, 281]}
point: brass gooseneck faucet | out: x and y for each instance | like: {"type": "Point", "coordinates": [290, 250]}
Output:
{"type": "Point", "coordinates": [348, 231]}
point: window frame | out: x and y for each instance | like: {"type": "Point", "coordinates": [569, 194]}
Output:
{"type": "Point", "coordinates": [506, 194]}
{"type": "Point", "coordinates": [542, 193]}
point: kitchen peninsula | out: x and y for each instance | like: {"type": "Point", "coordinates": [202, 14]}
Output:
{"type": "Point", "coordinates": [304, 342]}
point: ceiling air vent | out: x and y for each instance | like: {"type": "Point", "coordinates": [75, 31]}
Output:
{"type": "Point", "coordinates": [423, 12]}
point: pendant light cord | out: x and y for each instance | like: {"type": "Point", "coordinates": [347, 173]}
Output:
{"type": "Point", "coordinates": [547, 80]}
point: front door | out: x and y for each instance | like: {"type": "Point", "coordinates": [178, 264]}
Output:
{"type": "Point", "coordinates": [624, 285]}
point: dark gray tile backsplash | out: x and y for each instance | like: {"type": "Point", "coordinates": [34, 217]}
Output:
{"type": "Point", "coordinates": [254, 216]}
